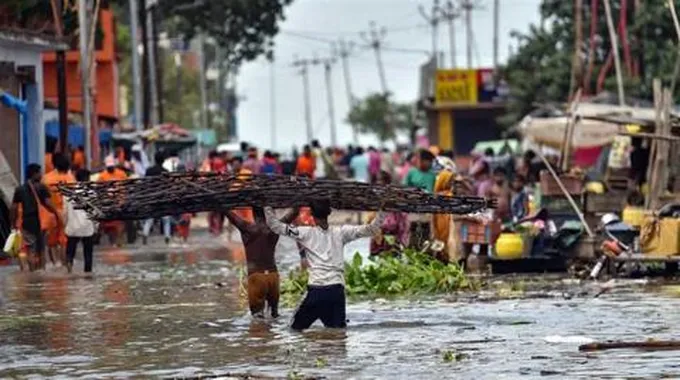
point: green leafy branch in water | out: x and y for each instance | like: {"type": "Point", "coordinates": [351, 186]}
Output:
{"type": "Point", "coordinates": [411, 273]}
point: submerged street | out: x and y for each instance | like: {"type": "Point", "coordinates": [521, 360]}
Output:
{"type": "Point", "coordinates": [169, 311]}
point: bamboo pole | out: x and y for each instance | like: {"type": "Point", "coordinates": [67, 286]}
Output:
{"type": "Point", "coordinates": [569, 132]}
{"type": "Point", "coordinates": [651, 173]}
{"type": "Point", "coordinates": [615, 51]}
{"type": "Point", "coordinates": [648, 345]}
{"type": "Point", "coordinates": [659, 178]}
{"type": "Point", "coordinates": [566, 193]}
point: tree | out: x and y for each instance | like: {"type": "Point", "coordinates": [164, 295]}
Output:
{"type": "Point", "coordinates": [244, 28]}
{"type": "Point", "coordinates": [540, 71]}
{"type": "Point", "coordinates": [370, 115]}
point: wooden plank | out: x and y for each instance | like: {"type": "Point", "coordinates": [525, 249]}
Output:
{"type": "Point", "coordinates": [651, 136]}
{"type": "Point", "coordinates": [642, 258]}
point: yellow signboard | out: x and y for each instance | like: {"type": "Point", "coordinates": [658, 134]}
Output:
{"type": "Point", "coordinates": [456, 87]}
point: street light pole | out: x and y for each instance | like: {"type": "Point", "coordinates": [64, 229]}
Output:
{"type": "Point", "coordinates": [136, 74]}
{"type": "Point", "coordinates": [85, 79]}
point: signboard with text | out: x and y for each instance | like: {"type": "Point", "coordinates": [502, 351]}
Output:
{"type": "Point", "coordinates": [456, 87]}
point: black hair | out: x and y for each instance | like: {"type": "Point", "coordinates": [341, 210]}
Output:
{"type": "Point", "coordinates": [237, 158]}
{"type": "Point", "coordinates": [244, 146]}
{"type": "Point", "coordinates": [32, 169]}
{"type": "Point", "coordinates": [316, 144]}
{"type": "Point", "coordinates": [447, 153]}
{"type": "Point", "coordinates": [212, 154]}
{"type": "Point", "coordinates": [321, 208]}
{"type": "Point", "coordinates": [529, 155]}
{"type": "Point", "coordinates": [159, 157]}
{"type": "Point", "coordinates": [426, 155]}
{"type": "Point", "coordinates": [60, 162]}
{"type": "Point", "coordinates": [489, 152]}
{"type": "Point", "coordinates": [306, 148]}
{"type": "Point", "coordinates": [258, 212]}
{"type": "Point", "coordinates": [500, 170]}
{"type": "Point", "coordinates": [359, 150]}
{"type": "Point", "coordinates": [82, 175]}
{"type": "Point", "coordinates": [268, 154]}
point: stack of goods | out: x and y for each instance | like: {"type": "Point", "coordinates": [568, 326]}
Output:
{"type": "Point", "coordinates": [180, 193]}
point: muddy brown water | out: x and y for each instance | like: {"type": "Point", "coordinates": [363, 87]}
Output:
{"type": "Point", "coordinates": [163, 312]}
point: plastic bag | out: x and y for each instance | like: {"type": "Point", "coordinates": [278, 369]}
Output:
{"type": "Point", "coordinates": [13, 243]}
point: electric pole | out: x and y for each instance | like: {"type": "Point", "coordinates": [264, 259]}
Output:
{"type": "Point", "coordinates": [329, 93]}
{"type": "Point", "coordinates": [272, 103]}
{"type": "Point", "coordinates": [85, 78]}
{"type": "Point", "coordinates": [151, 60]}
{"type": "Point", "coordinates": [496, 22]}
{"type": "Point", "coordinates": [468, 6]}
{"type": "Point", "coordinates": [433, 19]}
{"type": "Point", "coordinates": [303, 64]}
{"type": "Point", "coordinates": [375, 39]}
{"type": "Point", "coordinates": [136, 74]}
{"type": "Point", "coordinates": [451, 13]}
{"type": "Point", "coordinates": [344, 52]}
{"type": "Point", "coordinates": [203, 83]}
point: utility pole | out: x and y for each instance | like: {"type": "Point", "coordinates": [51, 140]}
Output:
{"type": "Point", "coordinates": [433, 19]}
{"type": "Point", "coordinates": [85, 79]}
{"type": "Point", "coordinates": [496, 22]}
{"type": "Point", "coordinates": [272, 103]}
{"type": "Point", "coordinates": [331, 106]}
{"type": "Point", "coordinates": [344, 51]}
{"type": "Point", "coordinates": [451, 13]}
{"type": "Point", "coordinates": [61, 78]}
{"type": "Point", "coordinates": [158, 69]}
{"type": "Point", "coordinates": [468, 6]}
{"type": "Point", "coordinates": [375, 38]}
{"type": "Point", "coordinates": [136, 74]}
{"type": "Point", "coordinates": [202, 80]}
{"type": "Point", "coordinates": [303, 64]}
{"type": "Point", "coordinates": [151, 60]}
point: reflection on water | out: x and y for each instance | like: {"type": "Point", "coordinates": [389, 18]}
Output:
{"type": "Point", "coordinates": [164, 312]}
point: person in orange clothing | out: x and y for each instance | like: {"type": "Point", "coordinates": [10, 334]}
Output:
{"type": "Point", "coordinates": [306, 163]}
{"type": "Point", "coordinates": [112, 228]}
{"type": "Point", "coordinates": [245, 213]}
{"type": "Point", "coordinates": [49, 162]}
{"type": "Point", "coordinates": [78, 160]}
{"type": "Point", "coordinates": [56, 238]}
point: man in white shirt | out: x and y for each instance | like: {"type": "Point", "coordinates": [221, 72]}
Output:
{"type": "Point", "coordinates": [324, 244]}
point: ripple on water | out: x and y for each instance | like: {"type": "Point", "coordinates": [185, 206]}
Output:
{"type": "Point", "coordinates": [171, 315]}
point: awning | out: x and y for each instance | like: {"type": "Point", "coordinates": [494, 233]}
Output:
{"type": "Point", "coordinates": [550, 131]}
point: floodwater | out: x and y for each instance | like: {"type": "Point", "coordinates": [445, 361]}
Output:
{"type": "Point", "coordinates": [178, 312]}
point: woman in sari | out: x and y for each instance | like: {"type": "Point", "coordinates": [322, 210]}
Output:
{"type": "Point", "coordinates": [443, 226]}
{"type": "Point", "coordinates": [394, 231]}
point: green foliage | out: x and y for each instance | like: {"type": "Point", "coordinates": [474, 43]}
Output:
{"type": "Point", "coordinates": [370, 115]}
{"type": "Point", "coordinates": [412, 273]}
{"type": "Point", "coordinates": [245, 28]}
{"type": "Point", "coordinates": [540, 71]}
{"type": "Point", "coordinates": [453, 356]}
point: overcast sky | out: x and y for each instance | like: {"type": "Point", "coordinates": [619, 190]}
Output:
{"type": "Point", "coordinates": [310, 23]}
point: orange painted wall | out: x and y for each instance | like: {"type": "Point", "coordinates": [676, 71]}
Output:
{"type": "Point", "coordinates": [106, 89]}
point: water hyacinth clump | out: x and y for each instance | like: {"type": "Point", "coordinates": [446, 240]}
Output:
{"type": "Point", "coordinates": [412, 272]}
